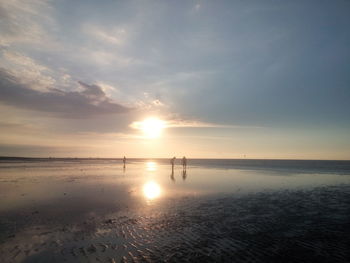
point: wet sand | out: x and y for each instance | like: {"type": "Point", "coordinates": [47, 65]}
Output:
{"type": "Point", "coordinates": [96, 212]}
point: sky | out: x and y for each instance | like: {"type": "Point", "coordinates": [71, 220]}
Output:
{"type": "Point", "coordinates": [228, 79]}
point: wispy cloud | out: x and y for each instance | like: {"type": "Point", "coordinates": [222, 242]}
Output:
{"type": "Point", "coordinates": [114, 35]}
{"type": "Point", "coordinates": [23, 22]}
{"type": "Point", "coordinates": [194, 124]}
{"type": "Point", "coordinates": [182, 123]}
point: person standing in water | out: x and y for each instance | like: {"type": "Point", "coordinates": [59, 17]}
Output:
{"type": "Point", "coordinates": [184, 163]}
{"type": "Point", "coordinates": [124, 162]}
{"type": "Point", "coordinates": [172, 161]}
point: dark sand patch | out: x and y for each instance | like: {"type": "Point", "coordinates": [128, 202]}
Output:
{"type": "Point", "coordinates": [278, 226]}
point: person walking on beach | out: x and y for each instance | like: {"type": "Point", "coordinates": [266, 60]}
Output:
{"type": "Point", "coordinates": [124, 162]}
{"type": "Point", "coordinates": [184, 163]}
{"type": "Point", "coordinates": [172, 161]}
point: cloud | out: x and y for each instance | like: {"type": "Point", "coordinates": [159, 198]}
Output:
{"type": "Point", "coordinates": [99, 57]}
{"type": "Point", "coordinates": [27, 70]}
{"type": "Point", "coordinates": [23, 22]}
{"type": "Point", "coordinates": [11, 127]}
{"type": "Point", "coordinates": [89, 102]}
{"type": "Point", "coordinates": [114, 36]}
{"type": "Point", "coordinates": [194, 124]}
{"type": "Point", "coordinates": [182, 123]}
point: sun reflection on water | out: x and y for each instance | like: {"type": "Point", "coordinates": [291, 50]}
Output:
{"type": "Point", "coordinates": [151, 166]}
{"type": "Point", "coordinates": [151, 190]}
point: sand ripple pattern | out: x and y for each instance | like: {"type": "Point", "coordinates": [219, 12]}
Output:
{"type": "Point", "coordinates": [286, 226]}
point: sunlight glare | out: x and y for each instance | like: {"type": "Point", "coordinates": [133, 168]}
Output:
{"type": "Point", "coordinates": [151, 190]}
{"type": "Point", "coordinates": [152, 127]}
{"type": "Point", "coordinates": [151, 166]}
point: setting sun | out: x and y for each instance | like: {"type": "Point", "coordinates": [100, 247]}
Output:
{"type": "Point", "coordinates": [150, 127]}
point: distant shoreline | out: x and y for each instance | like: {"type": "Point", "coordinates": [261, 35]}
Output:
{"type": "Point", "coordinates": [163, 158]}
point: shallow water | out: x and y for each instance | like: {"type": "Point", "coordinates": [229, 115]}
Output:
{"type": "Point", "coordinates": [94, 210]}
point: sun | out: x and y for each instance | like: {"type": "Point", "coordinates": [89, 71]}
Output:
{"type": "Point", "coordinates": [152, 127]}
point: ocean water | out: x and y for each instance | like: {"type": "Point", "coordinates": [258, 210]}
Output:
{"type": "Point", "coordinates": [202, 177]}
{"type": "Point", "coordinates": [64, 209]}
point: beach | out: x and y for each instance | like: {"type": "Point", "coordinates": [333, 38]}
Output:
{"type": "Point", "coordinates": [94, 210]}
{"type": "Point", "coordinates": [174, 131]}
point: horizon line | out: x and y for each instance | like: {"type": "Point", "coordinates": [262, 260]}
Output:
{"type": "Point", "coordinates": [193, 158]}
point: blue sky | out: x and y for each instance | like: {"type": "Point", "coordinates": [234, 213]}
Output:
{"type": "Point", "coordinates": [265, 79]}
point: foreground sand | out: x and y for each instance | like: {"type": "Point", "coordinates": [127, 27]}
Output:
{"type": "Point", "coordinates": [277, 225]}
{"type": "Point", "coordinates": [300, 226]}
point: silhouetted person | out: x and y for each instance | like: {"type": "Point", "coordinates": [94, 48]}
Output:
{"type": "Point", "coordinates": [124, 162]}
{"type": "Point", "coordinates": [172, 161]}
{"type": "Point", "coordinates": [184, 163]}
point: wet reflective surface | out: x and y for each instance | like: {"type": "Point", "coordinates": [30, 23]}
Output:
{"type": "Point", "coordinates": [96, 211]}
{"type": "Point", "coordinates": [151, 190]}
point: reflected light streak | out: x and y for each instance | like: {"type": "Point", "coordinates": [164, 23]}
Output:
{"type": "Point", "coordinates": [151, 166]}
{"type": "Point", "coordinates": [151, 190]}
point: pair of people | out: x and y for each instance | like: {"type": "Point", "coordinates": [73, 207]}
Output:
{"type": "Point", "coordinates": [184, 162]}
{"type": "Point", "coordinates": [172, 161]}
{"type": "Point", "coordinates": [184, 166]}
